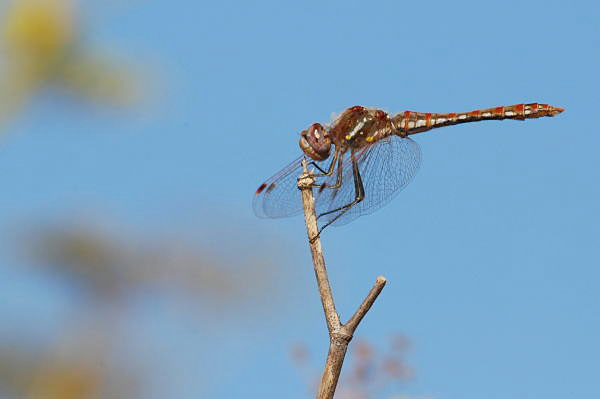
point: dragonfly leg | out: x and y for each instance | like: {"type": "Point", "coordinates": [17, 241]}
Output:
{"type": "Point", "coordinates": [313, 163]}
{"type": "Point", "coordinates": [329, 169]}
{"type": "Point", "coordinates": [338, 183]}
{"type": "Point", "coordinates": [325, 174]}
{"type": "Point", "coordinates": [359, 191]}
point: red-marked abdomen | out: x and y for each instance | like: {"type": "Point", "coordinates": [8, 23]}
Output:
{"type": "Point", "coordinates": [408, 122]}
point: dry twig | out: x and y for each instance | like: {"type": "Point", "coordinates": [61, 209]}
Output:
{"type": "Point", "coordinates": [340, 334]}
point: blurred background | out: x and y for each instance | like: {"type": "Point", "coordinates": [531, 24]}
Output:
{"type": "Point", "coordinates": [133, 135]}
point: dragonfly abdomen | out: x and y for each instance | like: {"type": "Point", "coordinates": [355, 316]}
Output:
{"type": "Point", "coordinates": [409, 122]}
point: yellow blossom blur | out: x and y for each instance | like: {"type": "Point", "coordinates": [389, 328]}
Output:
{"type": "Point", "coordinates": [60, 382]}
{"type": "Point", "coordinates": [40, 30]}
{"type": "Point", "coordinates": [41, 43]}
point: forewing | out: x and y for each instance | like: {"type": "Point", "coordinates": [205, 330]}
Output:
{"type": "Point", "coordinates": [386, 167]}
{"type": "Point", "coordinates": [279, 196]}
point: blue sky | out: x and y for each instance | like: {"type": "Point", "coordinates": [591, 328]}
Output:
{"type": "Point", "coordinates": [491, 253]}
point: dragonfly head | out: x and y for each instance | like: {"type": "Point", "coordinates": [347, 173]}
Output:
{"type": "Point", "coordinates": [315, 142]}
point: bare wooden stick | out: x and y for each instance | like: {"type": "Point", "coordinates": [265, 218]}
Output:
{"type": "Point", "coordinates": [340, 334]}
{"type": "Point", "coordinates": [331, 315]}
{"type": "Point", "coordinates": [366, 304]}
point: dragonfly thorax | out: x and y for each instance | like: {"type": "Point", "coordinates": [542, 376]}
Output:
{"type": "Point", "coordinates": [358, 127]}
{"type": "Point", "coordinates": [315, 142]}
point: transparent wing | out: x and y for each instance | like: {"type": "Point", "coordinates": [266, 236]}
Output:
{"type": "Point", "coordinates": [386, 167]}
{"type": "Point", "coordinates": [328, 199]}
{"type": "Point", "coordinates": [279, 196]}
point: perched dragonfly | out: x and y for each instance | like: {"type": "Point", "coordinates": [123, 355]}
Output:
{"type": "Point", "coordinates": [372, 160]}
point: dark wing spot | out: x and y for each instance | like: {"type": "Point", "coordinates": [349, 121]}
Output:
{"type": "Point", "coordinates": [261, 188]}
{"type": "Point", "coordinates": [271, 187]}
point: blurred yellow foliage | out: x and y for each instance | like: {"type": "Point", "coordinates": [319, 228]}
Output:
{"type": "Point", "coordinates": [64, 382]}
{"type": "Point", "coordinates": [39, 30]}
{"type": "Point", "coordinates": [78, 366]}
{"type": "Point", "coordinates": [36, 36]}
{"type": "Point", "coordinates": [42, 43]}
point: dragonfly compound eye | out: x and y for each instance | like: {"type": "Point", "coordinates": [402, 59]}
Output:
{"type": "Point", "coordinates": [315, 142]}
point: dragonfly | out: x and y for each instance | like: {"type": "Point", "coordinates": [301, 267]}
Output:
{"type": "Point", "coordinates": [364, 159]}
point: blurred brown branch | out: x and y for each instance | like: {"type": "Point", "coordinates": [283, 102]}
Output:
{"type": "Point", "coordinates": [111, 266]}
